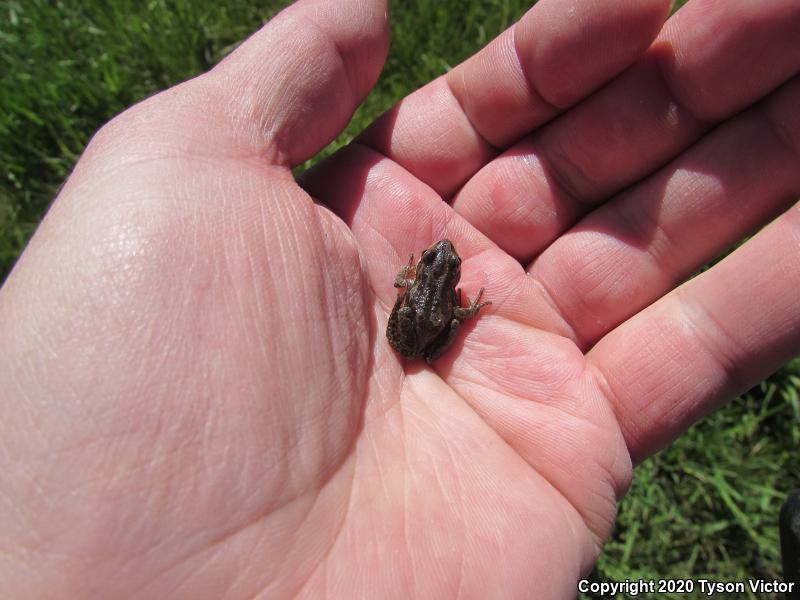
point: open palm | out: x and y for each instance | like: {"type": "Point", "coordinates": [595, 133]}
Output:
{"type": "Point", "coordinates": [203, 402]}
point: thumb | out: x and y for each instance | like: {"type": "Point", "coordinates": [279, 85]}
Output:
{"type": "Point", "coordinates": [294, 85]}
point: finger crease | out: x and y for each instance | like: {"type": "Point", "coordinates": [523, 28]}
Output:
{"type": "Point", "coordinates": [472, 125]}
{"type": "Point", "coordinates": [724, 359]}
{"type": "Point", "coordinates": [534, 91]}
{"type": "Point", "coordinates": [781, 133]}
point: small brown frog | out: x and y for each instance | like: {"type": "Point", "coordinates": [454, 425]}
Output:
{"type": "Point", "coordinates": [428, 311]}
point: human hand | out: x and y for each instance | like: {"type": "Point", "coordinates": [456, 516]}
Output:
{"type": "Point", "coordinates": [202, 402]}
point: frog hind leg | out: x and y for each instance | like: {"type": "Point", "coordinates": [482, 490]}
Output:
{"type": "Point", "coordinates": [442, 341]}
{"type": "Point", "coordinates": [400, 331]}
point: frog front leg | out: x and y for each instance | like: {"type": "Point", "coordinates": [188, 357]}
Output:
{"type": "Point", "coordinates": [442, 341]}
{"type": "Point", "coordinates": [406, 275]}
{"type": "Point", "coordinates": [472, 307]}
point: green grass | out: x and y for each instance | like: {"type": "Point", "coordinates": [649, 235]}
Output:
{"type": "Point", "coordinates": [705, 507]}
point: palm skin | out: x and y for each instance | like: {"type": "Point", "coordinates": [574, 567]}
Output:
{"type": "Point", "coordinates": [202, 399]}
